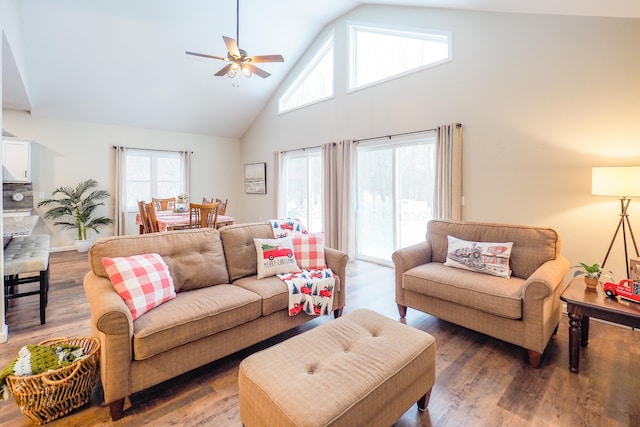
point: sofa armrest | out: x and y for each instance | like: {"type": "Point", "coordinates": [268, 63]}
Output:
{"type": "Point", "coordinates": [337, 261]}
{"type": "Point", "coordinates": [111, 322]}
{"type": "Point", "coordinates": [544, 281]}
{"type": "Point", "coordinates": [405, 259]}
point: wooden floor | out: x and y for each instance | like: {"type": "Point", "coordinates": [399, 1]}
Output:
{"type": "Point", "coordinates": [480, 381]}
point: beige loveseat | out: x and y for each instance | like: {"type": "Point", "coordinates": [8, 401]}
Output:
{"type": "Point", "coordinates": [524, 309]}
{"type": "Point", "coordinates": [220, 307]}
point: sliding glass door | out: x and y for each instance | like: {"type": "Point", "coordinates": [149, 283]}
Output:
{"type": "Point", "coordinates": [395, 184]}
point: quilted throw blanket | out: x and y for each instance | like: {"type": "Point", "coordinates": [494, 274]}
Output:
{"type": "Point", "coordinates": [35, 359]}
{"type": "Point", "coordinates": [310, 291]}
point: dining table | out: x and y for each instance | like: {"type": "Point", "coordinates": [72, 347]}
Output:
{"type": "Point", "coordinates": [168, 220]}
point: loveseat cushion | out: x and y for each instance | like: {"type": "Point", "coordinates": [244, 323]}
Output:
{"type": "Point", "coordinates": [532, 246]}
{"type": "Point", "coordinates": [490, 294]}
{"type": "Point", "coordinates": [272, 290]}
{"type": "Point", "coordinates": [195, 257]}
{"type": "Point", "coordinates": [240, 249]}
{"type": "Point", "coordinates": [193, 315]}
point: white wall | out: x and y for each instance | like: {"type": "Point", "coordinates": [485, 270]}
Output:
{"type": "Point", "coordinates": [67, 152]}
{"type": "Point", "coordinates": [542, 99]}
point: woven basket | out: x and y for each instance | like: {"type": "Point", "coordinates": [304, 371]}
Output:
{"type": "Point", "coordinates": [50, 395]}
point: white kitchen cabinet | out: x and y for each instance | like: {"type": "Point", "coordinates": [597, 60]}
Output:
{"type": "Point", "coordinates": [16, 160]}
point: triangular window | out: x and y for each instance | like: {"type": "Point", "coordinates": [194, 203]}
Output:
{"type": "Point", "coordinates": [379, 54]}
{"type": "Point", "coordinates": [315, 82]}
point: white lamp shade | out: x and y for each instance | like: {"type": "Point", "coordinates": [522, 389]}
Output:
{"type": "Point", "coordinates": [619, 181]}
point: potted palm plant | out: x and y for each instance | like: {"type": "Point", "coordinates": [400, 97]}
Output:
{"type": "Point", "coordinates": [75, 209]}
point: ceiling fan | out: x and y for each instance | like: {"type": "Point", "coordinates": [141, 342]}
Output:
{"type": "Point", "coordinates": [237, 59]}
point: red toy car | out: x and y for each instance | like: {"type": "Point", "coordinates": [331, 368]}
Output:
{"type": "Point", "coordinates": [627, 288]}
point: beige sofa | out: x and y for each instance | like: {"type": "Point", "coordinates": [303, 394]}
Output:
{"type": "Point", "coordinates": [524, 310]}
{"type": "Point", "coordinates": [220, 307]}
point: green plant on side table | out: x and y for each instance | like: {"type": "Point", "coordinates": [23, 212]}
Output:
{"type": "Point", "coordinates": [76, 210]}
{"type": "Point", "coordinates": [592, 274]}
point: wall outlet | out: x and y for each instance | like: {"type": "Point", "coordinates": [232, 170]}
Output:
{"type": "Point", "coordinates": [41, 195]}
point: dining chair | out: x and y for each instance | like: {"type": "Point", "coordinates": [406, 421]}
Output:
{"type": "Point", "coordinates": [143, 217]}
{"type": "Point", "coordinates": [152, 220]}
{"type": "Point", "coordinates": [168, 204]}
{"type": "Point", "coordinates": [203, 215]}
{"type": "Point", "coordinates": [222, 209]}
{"type": "Point", "coordinates": [207, 201]}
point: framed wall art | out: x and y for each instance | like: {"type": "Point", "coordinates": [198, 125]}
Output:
{"type": "Point", "coordinates": [255, 178]}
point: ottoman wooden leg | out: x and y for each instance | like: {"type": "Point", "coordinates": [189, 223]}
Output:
{"type": "Point", "coordinates": [402, 310]}
{"type": "Point", "coordinates": [424, 402]}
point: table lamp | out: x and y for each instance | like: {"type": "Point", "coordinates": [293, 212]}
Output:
{"type": "Point", "coordinates": [622, 182]}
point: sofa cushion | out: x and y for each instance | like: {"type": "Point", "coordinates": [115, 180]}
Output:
{"type": "Point", "coordinates": [193, 315]}
{"type": "Point", "coordinates": [194, 257]}
{"type": "Point", "coordinates": [532, 246]}
{"type": "Point", "coordinates": [239, 248]}
{"type": "Point", "coordinates": [482, 257]}
{"type": "Point", "coordinates": [491, 294]}
{"type": "Point", "coordinates": [272, 290]}
{"type": "Point", "coordinates": [143, 281]}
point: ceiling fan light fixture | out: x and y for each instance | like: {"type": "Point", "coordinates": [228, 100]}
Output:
{"type": "Point", "coordinates": [246, 71]}
{"type": "Point", "coordinates": [233, 70]}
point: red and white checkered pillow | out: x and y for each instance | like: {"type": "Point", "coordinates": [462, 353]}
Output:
{"type": "Point", "coordinates": [143, 281]}
{"type": "Point", "coordinates": [309, 250]}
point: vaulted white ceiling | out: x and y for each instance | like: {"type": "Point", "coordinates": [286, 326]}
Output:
{"type": "Point", "coordinates": [122, 62]}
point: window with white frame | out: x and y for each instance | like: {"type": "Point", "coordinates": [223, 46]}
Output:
{"type": "Point", "coordinates": [301, 184]}
{"type": "Point", "coordinates": [151, 173]}
{"type": "Point", "coordinates": [378, 54]}
{"type": "Point", "coordinates": [315, 82]}
{"type": "Point", "coordinates": [395, 189]}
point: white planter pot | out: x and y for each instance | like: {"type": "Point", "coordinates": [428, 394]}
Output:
{"type": "Point", "coordinates": [83, 245]}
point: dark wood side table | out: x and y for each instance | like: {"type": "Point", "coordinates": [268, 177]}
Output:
{"type": "Point", "coordinates": [582, 304]}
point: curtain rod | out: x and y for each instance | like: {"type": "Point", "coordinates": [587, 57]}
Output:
{"type": "Point", "coordinates": [458, 125]}
{"type": "Point", "coordinates": [300, 149]}
{"type": "Point", "coordinates": [150, 149]}
{"type": "Point", "coordinates": [394, 135]}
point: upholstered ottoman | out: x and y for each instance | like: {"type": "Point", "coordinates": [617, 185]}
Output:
{"type": "Point", "coordinates": [362, 369]}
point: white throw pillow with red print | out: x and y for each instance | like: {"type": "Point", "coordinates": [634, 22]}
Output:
{"type": "Point", "coordinates": [275, 256]}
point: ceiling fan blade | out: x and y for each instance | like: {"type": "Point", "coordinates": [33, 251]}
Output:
{"type": "Point", "coordinates": [267, 58]}
{"type": "Point", "coordinates": [232, 46]}
{"type": "Point", "coordinates": [224, 70]}
{"type": "Point", "coordinates": [205, 55]}
{"type": "Point", "coordinates": [257, 71]}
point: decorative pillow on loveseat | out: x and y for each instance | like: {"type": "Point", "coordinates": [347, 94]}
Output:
{"type": "Point", "coordinates": [483, 257]}
{"type": "Point", "coordinates": [143, 281]}
{"type": "Point", "coordinates": [275, 256]}
{"type": "Point", "coordinates": [309, 250]}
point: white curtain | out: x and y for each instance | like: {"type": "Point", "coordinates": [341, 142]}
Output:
{"type": "Point", "coordinates": [338, 204]}
{"type": "Point", "coordinates": [186, 170]}
{"type": "Point", "coordinates": [278, 161]}
{"type": "Point", "coordinates": [448, 191]}
{"type": "Point", "coordinates": [120, 221]}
